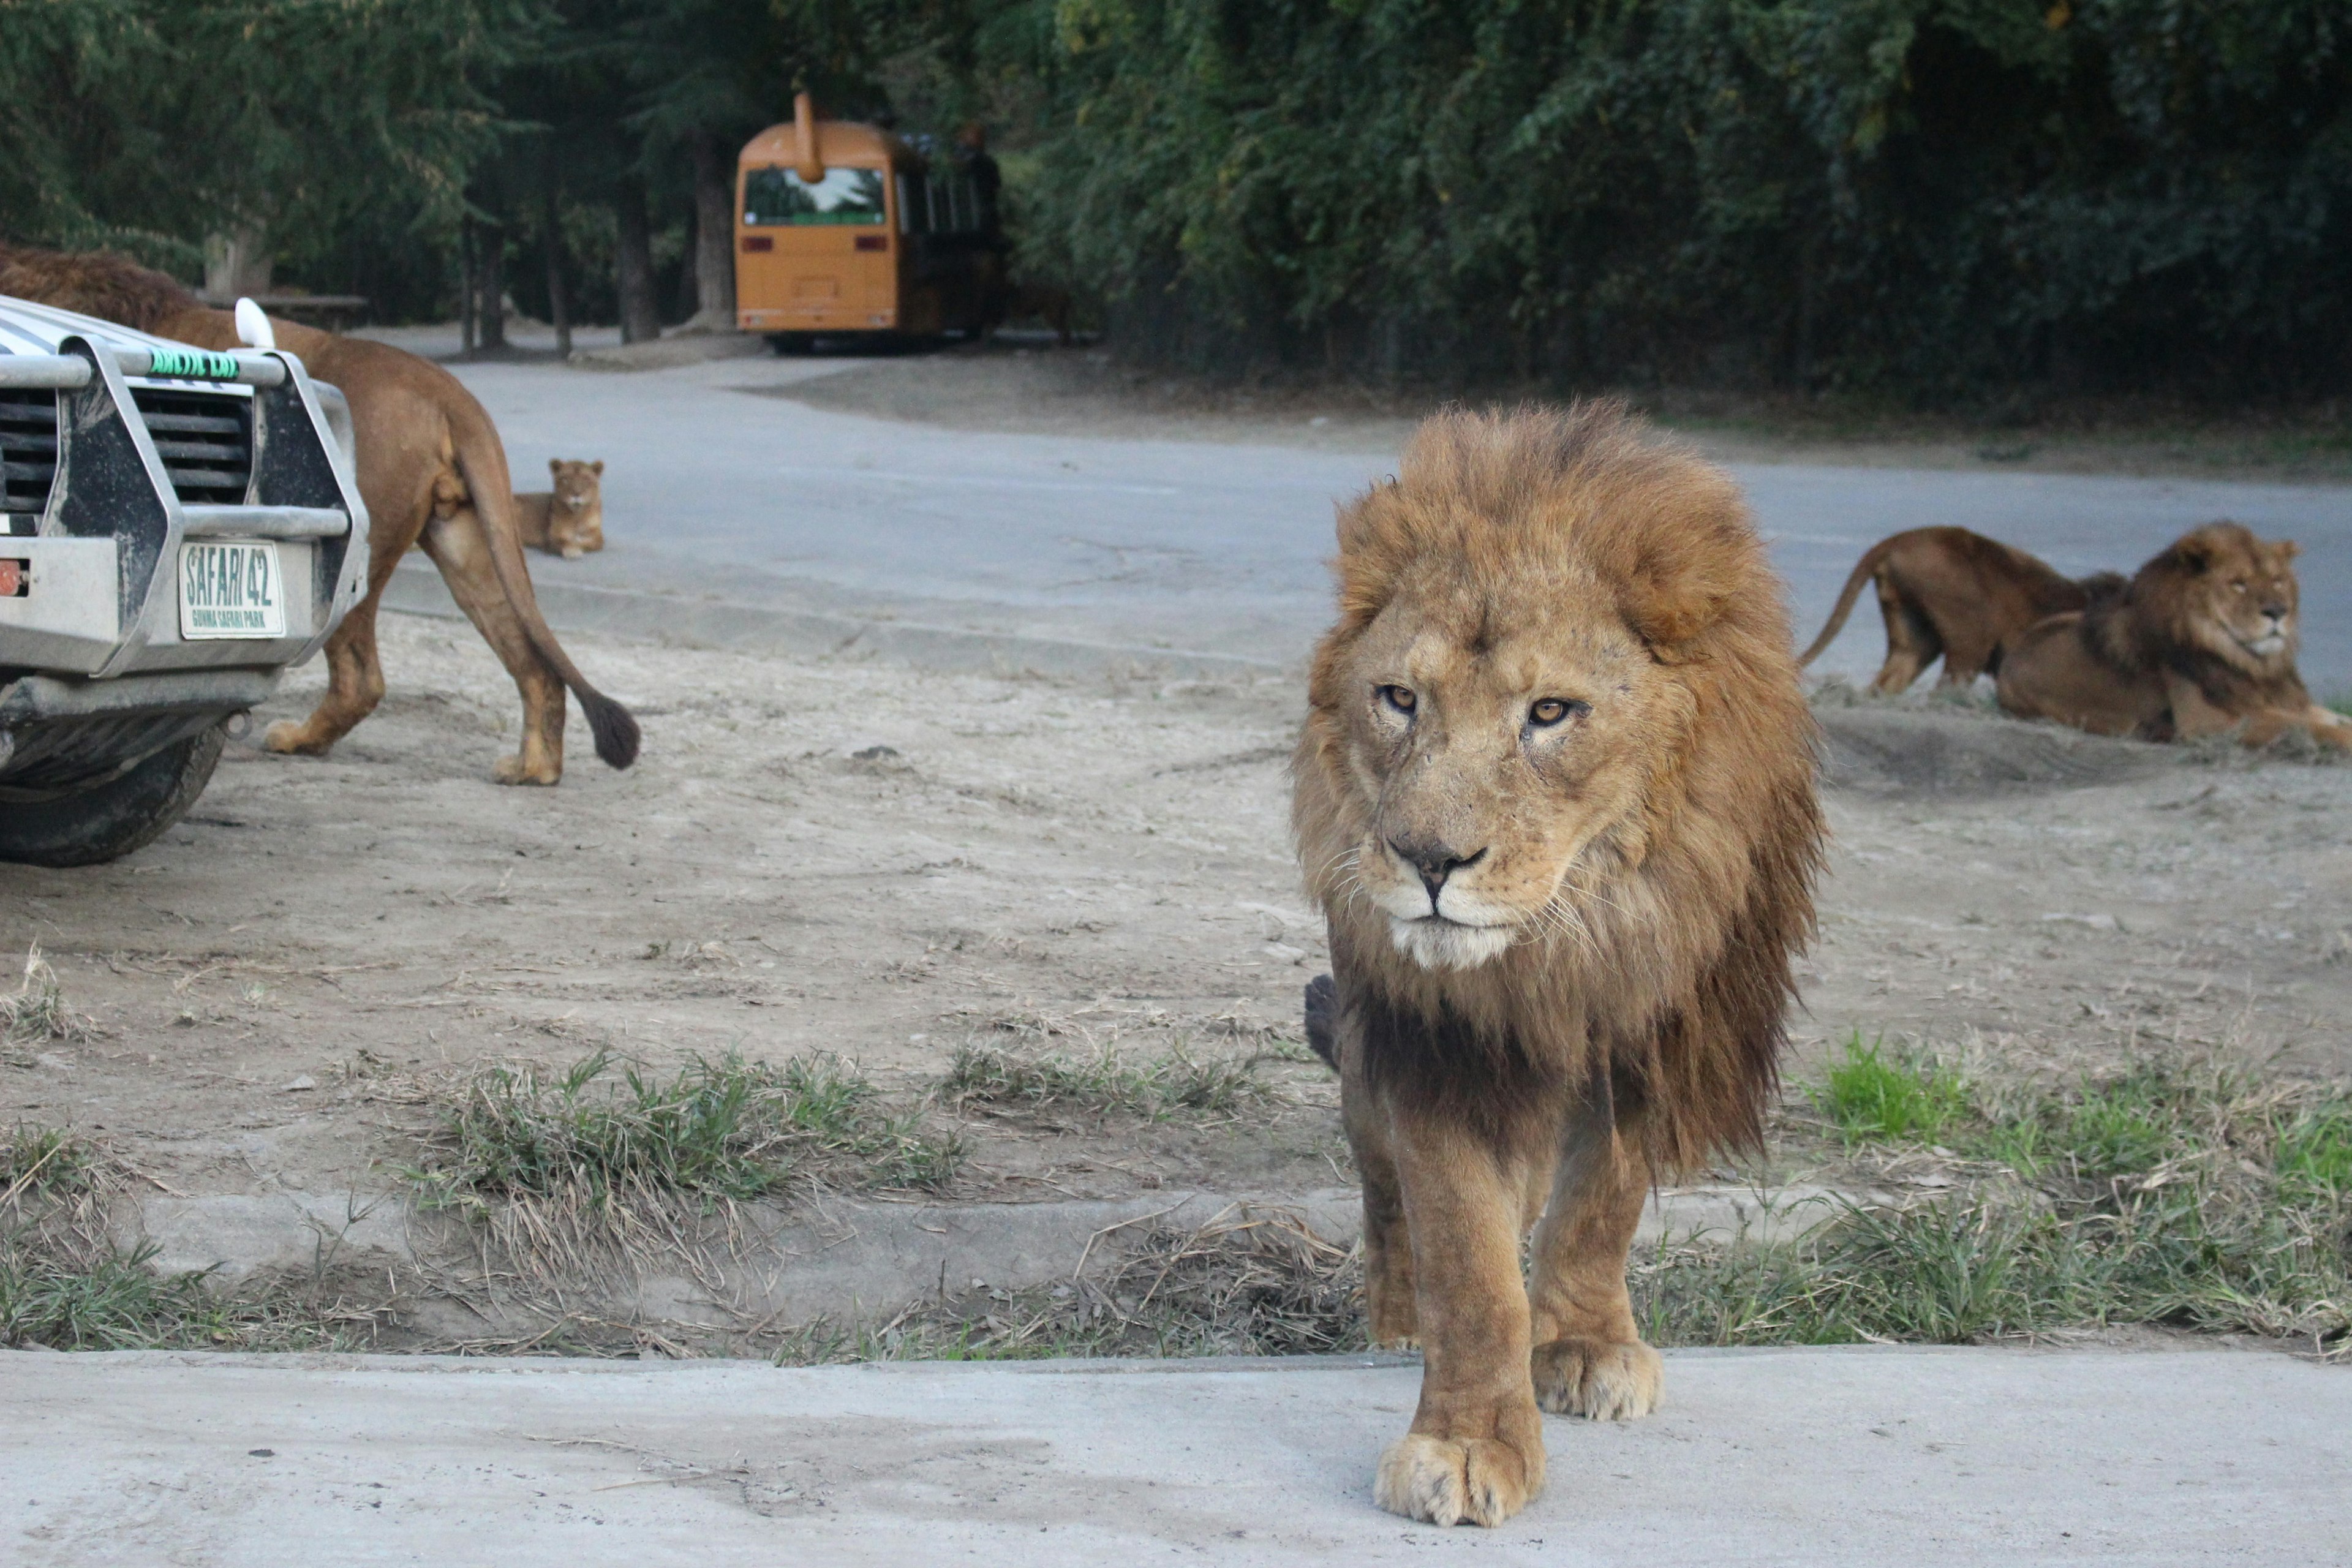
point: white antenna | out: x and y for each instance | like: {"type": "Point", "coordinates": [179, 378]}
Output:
{"type": "Point", "coordinates": [253, 328]}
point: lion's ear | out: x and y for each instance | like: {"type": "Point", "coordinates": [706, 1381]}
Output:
{"type": "Point", "coordinates": [2193, 555]}
{"type": "Point", "coordinates": [555, 465]}
{"type": "Point", "coordinates": [1682, 582]}
{"type": "Point", "coordinates": [597, 467]}
{"type": "Point", "coordinates": [2287, 550]}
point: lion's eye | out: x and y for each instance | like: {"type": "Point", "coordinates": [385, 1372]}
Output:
{"type": "Point", "coordinates": [1400, 698]}
{"type": "Point", "coordinates": [2238, 587]}
{"type": "Point", "coordinates": [1550, 710]}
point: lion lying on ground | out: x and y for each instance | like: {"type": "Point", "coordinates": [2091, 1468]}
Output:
{"type": "Point", "coordinates": [432, 472]}
{"type": "Point", "coordinates": [568, 521]}
{"type": "Point", "coordinates": [1948, 592]}
{"type": "Point", "coordinates": [2201, 642]}
{"type": "Point", "coordinates": [1555, 795]}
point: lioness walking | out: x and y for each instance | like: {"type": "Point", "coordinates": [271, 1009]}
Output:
{"type": "Point", "coordinates": [433, 473]}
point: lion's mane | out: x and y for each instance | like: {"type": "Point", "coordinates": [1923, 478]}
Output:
{"type": "Point", "coordinates": [1663, 969]}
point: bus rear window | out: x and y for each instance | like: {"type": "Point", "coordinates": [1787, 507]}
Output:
{"type": "Point", "coordinates": [843, 196]}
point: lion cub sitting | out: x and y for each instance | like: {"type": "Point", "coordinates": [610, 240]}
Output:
{"type": "Point", "coordinates": [2202, 642]}
{"type": "Point", "coordinates": [570, 521]}
{"type": "Point", "coordinates": [1555, 796]}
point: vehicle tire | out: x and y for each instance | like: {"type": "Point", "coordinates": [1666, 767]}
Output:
{"type": "Point", "coordinates": [789, 343]}
{"type": "Point", "coordinates": [108, 820]}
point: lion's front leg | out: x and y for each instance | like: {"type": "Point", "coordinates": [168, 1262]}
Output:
{"type": "Point", "coordinates": [1476, 1450]}
{"type": "Point", "coordinates": [1588, 1358]}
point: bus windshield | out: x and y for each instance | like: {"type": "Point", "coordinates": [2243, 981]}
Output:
{"type": "Point", "coordinates": [774, 196]}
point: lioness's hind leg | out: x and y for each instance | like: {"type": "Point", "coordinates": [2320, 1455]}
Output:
{"type": "Point", "coordinates": [1912, 643]}
{"type": "Point", "coordinates": [1587, 1357]}
{"type": "Point", "coordinates": [459, 546]}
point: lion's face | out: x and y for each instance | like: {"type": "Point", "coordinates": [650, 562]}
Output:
{"type": "Point", "coordinates": [1494, 737]}
{"type": "Point", "coordinates": [575, 520]}
{"type": "Point", "coordinates": [2242, 595]}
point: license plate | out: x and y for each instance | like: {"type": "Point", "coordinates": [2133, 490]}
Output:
{"type": "Point", "coordinates": [230, 589]}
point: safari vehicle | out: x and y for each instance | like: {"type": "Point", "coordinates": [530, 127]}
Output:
{"type": "Point", "coordinates": [846, 229]}
{"type": "Point", "coordinates": [177, 527]}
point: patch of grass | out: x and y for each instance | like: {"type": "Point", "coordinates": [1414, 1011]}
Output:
{"type": "Point", "coordinates": [2195, 1200]}
{"type": "Point", "coordinates": [66, 1283]}
{"type": "Point", "coordinates": [1870, 1097]}
{"type": "Point", "coordinates": [2314, 1152]}
{"type": "Point", "coordinates": [1103, 1083]}
{"type": "Point", "coordinates": [37, 1013]}
{"type": "Point", "coordinates": [110, 1298]}
{"type": "Point", "coordinates": [724, 1129]}
{"type": "Point", "coordinates": [45, 1161]}
{"type": "Point", "coordinates": [1242, 1284]}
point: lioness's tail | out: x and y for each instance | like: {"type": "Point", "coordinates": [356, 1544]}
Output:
{"type": "Point", "coordinates": [481, 461]}
{"type": "Point", "coordinates": [1872, 559]}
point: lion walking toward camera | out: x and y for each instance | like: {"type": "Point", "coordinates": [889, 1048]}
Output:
{"type": "Point", "coordinates": [1555, 795]}
{"type": "Point", "coordinates": [433, 474]}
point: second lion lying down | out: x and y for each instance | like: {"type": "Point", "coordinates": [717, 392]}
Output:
{"type": "Point", "coordinates": [1555, 795]}
{"type": "Point", "coordinates": [2201, 642]}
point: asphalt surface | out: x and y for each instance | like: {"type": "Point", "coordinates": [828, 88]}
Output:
{"type": "Point", "coordinates": [722, 494]}
{"type": "Point", "coordinates": [1858, 1455]}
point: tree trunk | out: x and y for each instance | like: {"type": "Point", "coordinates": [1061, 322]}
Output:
{"type": "Point", "coordinates": [559, 303]}
{"type": "Point", "coordinates": [633, 264]}
{"type": "Point", "coordinates": [237, 263]}
{"type": "Point", "coordinates": [467, 298]}
{"type": "Point", "coordinates": [714, 236]}
{"type": "Point", "coordinates": [490, 282]}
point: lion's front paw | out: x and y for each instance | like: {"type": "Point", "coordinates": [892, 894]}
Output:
{"type": "Point", "coordinates": [1446, 1480]}
{"type": "Point", "coordinates": [1606, 1381]}
{"type": "Point", "coordinates": [286, 736]}
{"type": "Point", "coordinates": [515, 771]}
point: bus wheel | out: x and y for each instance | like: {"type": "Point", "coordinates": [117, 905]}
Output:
{"type": "Point", "coordinates": [791, 342]}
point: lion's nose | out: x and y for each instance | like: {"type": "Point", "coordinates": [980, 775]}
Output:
{"type": "Point", "coordinates": [2277, 612]}
{"type": "Point", "coordinates": [1435, 861]}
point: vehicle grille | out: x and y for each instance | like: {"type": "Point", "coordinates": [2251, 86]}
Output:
{"type": "Point", "coordinates": [29, 449]}
{"type": "Point", "coordinates": [205, 442]}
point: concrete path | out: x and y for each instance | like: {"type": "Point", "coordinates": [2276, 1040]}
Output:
{"type": "Point", "coordinates": [1868, 1456]}
{"type": "Point", "coordinates": [724, 498]}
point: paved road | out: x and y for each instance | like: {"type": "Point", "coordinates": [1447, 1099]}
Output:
{"type": "Point", "coordinates": [719, 488]}
{"type": "Point", "coordinates": [1818, 1457]}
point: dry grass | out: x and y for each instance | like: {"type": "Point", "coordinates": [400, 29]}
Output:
{"type": "Point", "coordinates": [66, 1282]}
{"type": "Point", "coordinates": [37, 1013]}
{"type": "Point", "coordinates": [1103, 1081]}
{"type": "Point", "coordinates": [1248, 1282]}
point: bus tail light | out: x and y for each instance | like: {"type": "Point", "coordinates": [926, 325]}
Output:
{"type": "Point", "coordinates": [755, 242]}
{"type": "Point", "coordinates": [873, 242]}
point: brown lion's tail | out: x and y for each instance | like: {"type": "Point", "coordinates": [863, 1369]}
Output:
{"type": "Point", "coordinates": [482, 462]}
{"type": "Point", "coordinates": [1322, 1019]}
{"type": "Point", "coordinates": [1872, 559]}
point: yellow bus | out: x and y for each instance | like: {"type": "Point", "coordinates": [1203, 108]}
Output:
{"type": "Point", "coordinates": [845, 230]}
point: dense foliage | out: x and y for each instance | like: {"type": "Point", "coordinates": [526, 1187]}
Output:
{"type": "Point", "coordinates": [1929, 196]}
{"type": "Point", "coordinates": [150, 123]}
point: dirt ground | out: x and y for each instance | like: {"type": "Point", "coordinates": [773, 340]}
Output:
{"type": "Point", "coordinates": [885, 863]}
{"type": "Point", "coordinates": [1033, 387]}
